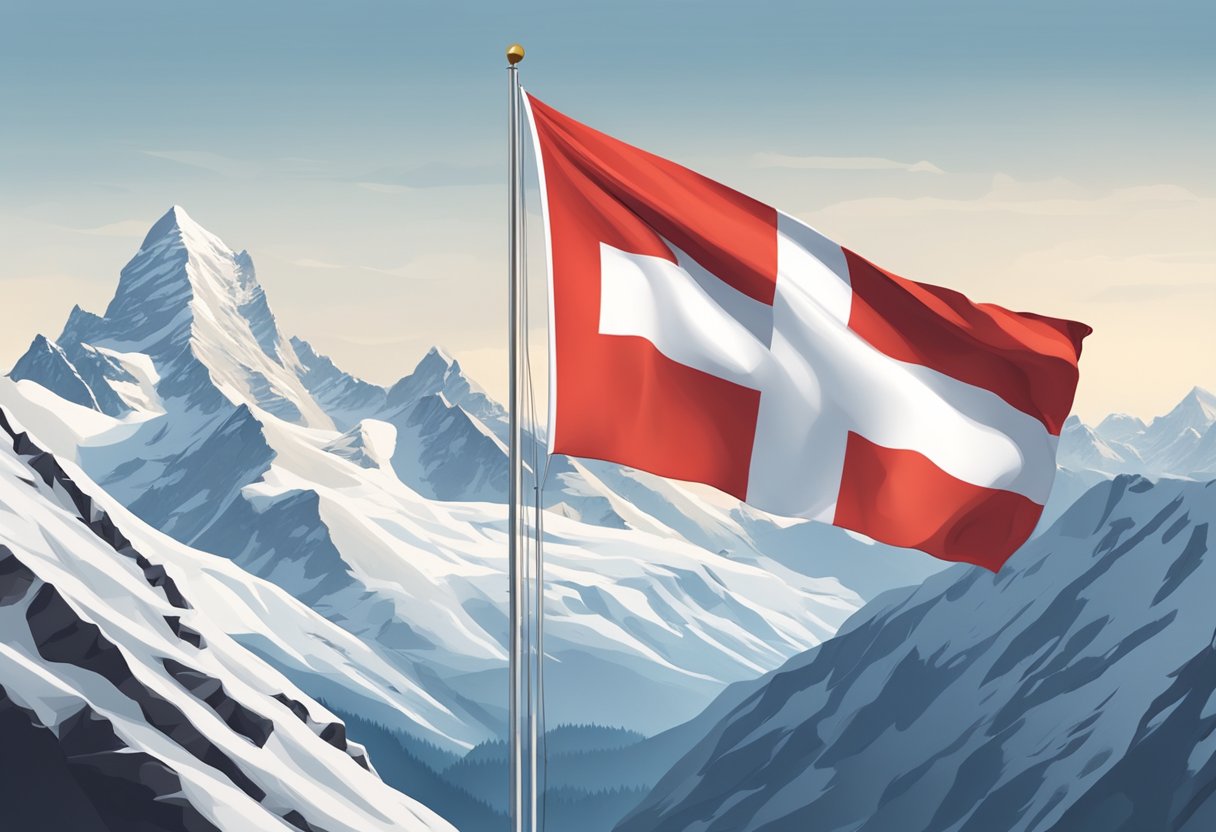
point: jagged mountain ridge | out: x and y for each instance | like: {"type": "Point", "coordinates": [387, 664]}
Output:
{"type": "Point", "coordinates": [236, 440]}
{"type": "Point", "coordinates": [1181, 443]}
{"type": "Point", "coordinates": [124, 695]}
{"type": "Point", "coordinates": [196, 281]}
{"type": "Point", "coordinates": [300, 471]}
{"type": "Point", "coordinates": [1074, 690]}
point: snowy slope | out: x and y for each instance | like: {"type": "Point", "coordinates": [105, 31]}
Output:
{"type": "Point", "coordinates": [1074, 690]}
{"type": "Point", "coordinates": [193, 308]}
{"type": "Point", "coordinates": [423, 581]}
{"type": "Point", "coordinates": [451, 446]}
{"type": "Point", "coordinates": [124, 693]}
{"type": "Point", "coordinates": [319, 655]}
{"type": "Point", "coordinates": [381, 512]}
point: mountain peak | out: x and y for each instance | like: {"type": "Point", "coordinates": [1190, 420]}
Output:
{"type": "Point", "coordinates": [178, 265]}
{"type": "Point", "coordinates": [433, 370]}
{"type": "Point", "coordinates": [177, 229]}
{"type": "Point", "coordinates": [1120, 427]}
{"type": "Point", "coordinates": [172, 222]}
{"type": "Point", "coordinates": [1198, 394]}
{"type": "Point", "coordinates": [436, 372]}
{"type": "Point", "coordinates": [437, 359]}
{"type": "Point", "coordinates": [1198, 407]}
{"type": "Point", "coordinates": [46, 363]}
{"type": "Point", "coordinates": [193, 306]}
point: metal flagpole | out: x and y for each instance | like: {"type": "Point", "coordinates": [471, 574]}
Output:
{"type": "Point", "coordinates": [515, 217]}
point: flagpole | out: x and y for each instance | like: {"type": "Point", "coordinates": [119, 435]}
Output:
{"type": "Point", "coordinates": [515, 217]}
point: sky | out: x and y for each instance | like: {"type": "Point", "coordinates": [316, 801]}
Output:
{"type": "Point", "coordinates": [1054, 157]}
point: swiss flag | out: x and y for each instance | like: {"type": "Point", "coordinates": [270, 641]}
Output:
{"type": "Point", "coordinates": [702, 335]}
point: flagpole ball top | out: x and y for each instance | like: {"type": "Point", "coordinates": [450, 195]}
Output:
{"type": "Point", "coordinates": [515, 54]}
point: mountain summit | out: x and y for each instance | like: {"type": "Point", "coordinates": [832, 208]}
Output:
{"type": "Point", "coordinates": [194, 308]}
{"type": "Point", "coordinates": [176, 222]}
{"type": "Point", "coordinates": [382, 508]}
{"type": "Point", "coordinates": [1182, 443]}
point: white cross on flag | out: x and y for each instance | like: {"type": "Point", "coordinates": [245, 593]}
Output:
{"type": "Point", "coordinates": [701, 335]}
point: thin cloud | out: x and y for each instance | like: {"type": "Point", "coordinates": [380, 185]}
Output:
{"type": "Point", "coordinates": [304, 166]}
{"type": "Point", "coordinates": [205, 160]}
{"type": "Point", "coordinates": [375, 340]}
{"type": "Point", "coordinates": [432, 267]}
{"type": "Point", "coordinates": [1140, 292]}
{"type": "Point", "coordinates": [430, 175]}
{"type": "Point", "coordinates": [383, 188]}
{"type": "Point", "coordinates": [125, 228]}
{"type": "Point", "coordinates": [788, 162]}
{"type": "Point", "coordinates": [309, 263]}
{"type": "Point", "coordinates": [1050, 198]}
{"type": "Point", "coordinates": [424, 268]}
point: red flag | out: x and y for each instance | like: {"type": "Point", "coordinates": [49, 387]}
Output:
{"type": "Point", "coordinates": [702, 335]}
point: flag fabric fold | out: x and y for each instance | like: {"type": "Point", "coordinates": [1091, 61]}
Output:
{"type": "Point", "coordinates": [699, 334]}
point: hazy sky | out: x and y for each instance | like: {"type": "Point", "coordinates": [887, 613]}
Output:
{"type": "Point", "coordinates": [1050, 156]}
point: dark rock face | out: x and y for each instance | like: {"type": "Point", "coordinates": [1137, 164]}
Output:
{"type": "Point", "coordinates": [15, 577]}
{"type": "Point", "coordinates": [135, 791]}
{"type": "Point", "coordinates": [156, 576]}
{"type": "Point", "coordinates": [99, 784]}
{"type": "Point", "coordinates": [297, 708]}
{"type": "Point", "coordinates": [300, 822]}
{"type": "Point", "coordinates": [61, 635]}
{"type": "Point", "coordinates": [100, 523]}
{"type": "Point", "coordinates": [86, 732]}
{"type": "Point", "coordinates": [185, 632]}
{"type": "Point", "coordinates": [333, 733]}
{"type": "Point", "coordinates": [246, 722]}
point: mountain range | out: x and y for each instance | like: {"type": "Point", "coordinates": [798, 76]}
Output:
{"type": "Point", "coordinates": [126, 703]}
{"type": "Point", "coordinates": [1182, 443]}
{"type": "Point", "coordinates": [382, 508]}
{"type": "Point", "coordinates": [339, 548]}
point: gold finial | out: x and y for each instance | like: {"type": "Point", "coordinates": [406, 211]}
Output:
{"type": "Point", "coordinates": [515, 54]}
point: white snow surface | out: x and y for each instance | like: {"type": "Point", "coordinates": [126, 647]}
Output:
{"type": "Point", "coordinates": [295, 767]}
{"type": "Point", "coordinates": [393, 528]}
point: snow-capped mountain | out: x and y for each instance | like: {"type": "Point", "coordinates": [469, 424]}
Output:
{"type": "Point", "coordinates": [191, 308]}
{"type": "Point", "coordinates": [1074, 690]}
{"type": "Point", "coordinates": [1182, 443]}
{"type": "Point", "coordinates": [380, 508]}
{"type": "Point", "coordinates": [340, 394]}
{"type": "Point", "coordinates": [125, 691]}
